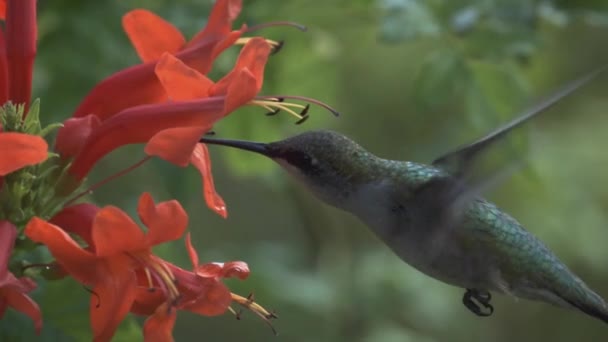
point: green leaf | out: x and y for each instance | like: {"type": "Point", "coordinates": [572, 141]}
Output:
{"type": "Point", "coordinates": [439, 79]}
{"type": "Point", "coordinates": [406, 20]}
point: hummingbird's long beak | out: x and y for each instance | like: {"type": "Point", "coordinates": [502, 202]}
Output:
{"type": "Point", "coordinates": [260, 148]}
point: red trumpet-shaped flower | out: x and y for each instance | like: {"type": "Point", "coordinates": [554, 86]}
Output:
{"type": "Point", "coordinates": [201, 292]}
{"type": "Point", "coordinates": [12, 290]}
{"type": "Point", "coordinates": [151, 37]}
{"type": "Point", "coordinates": [118, 250]}
{"type": "Point", "coordinates": [17, 51]}
{"type": "Point", "coordinates": [172, 129]}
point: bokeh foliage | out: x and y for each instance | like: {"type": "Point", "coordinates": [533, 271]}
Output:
{"type": "Point", "coordinates": [412, 79]}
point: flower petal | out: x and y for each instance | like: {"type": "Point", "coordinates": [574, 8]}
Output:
{"type": "Point", "coordinates": [20, 150]}
{"type": "Point", "coordinates": [139, 124]}
{"type": "Point", "coordinates": [8, 234]}
{"type": "Point", "coordinates": [127, 88]}
{"type": "Point", "coordinates": [74, 133]}
{"type": "Point", "coordinates": [115, 294]}
{"type": "Point", "coordinates": [200, 160]}
{"type": "Point", "coordinates": [146, 301]}
{"type": "Point", "coordinates": [166, 221]}
{"type": "Point", "coordinates": [114, 232]}
{"type": "Point", "coordinates": [242, 90]}
{"type": "Point", "coordinates": [3, 70]}
{"type": "Point", "coordinates": [77, 261]}
{"type": "Point", "coordinates": [201, 54]}
{"type": "Point", "coordinates": [191, 252]}
{"type": "Point", "coordinates": [23, 303]}
{"type": "Point", "coordinates": [151, 35]}
{"type": "Point", "coordinates": [253, 57]}
{"type": "Point", "coordinates": [213, 298]}
{"type": "Point", "coordinates": [179, 80]}
{"type": "Point", "coordinates": [223, 13]}
{"type": "Point", "coordinates": [175, 145]}
{"type": "Point", "coordinates": [77, 219]}
{"type": "Point", "coordinates": [21, 32]}
{"type": "Point", "coordinates": [237, 269]}
{"type": "Point", "coordinates": [159, 327]}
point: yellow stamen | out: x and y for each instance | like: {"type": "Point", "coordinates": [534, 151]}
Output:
{"type": "Point", "coordinates": [167, 278]}
{"type": "Point", "coordinates": [149, 279]}
{"type": "Point", "coordinates": [244, 40]}
{"type": "Point", "coordinates": [254, 307]}
{"type": "Point", "coordinates": [274, 105]}
{"type": "Point", "coordinates": [155, 268]}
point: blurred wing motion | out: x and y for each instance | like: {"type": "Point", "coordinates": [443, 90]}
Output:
{"type": "Point", "coordinates": [458, 162]}
{"type": "Point", "coordinates": [445, 197]}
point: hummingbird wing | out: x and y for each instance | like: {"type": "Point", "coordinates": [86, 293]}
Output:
{"type": "Point", "coordinates": [459, 162]}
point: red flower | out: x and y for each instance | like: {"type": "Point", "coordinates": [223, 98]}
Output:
{"type": "Point", "coordinates": [119, 249]}
{"type": "Point", "coordinates": [201, 291]}
{"type": "Point", "coordinates": [12, 290]}
{"type": "Point", "coordinates": [171, 129]}
{"type": "Point", "coordinates": [17, 51]}
{"type": "Point", "coordinates": [152, 36]}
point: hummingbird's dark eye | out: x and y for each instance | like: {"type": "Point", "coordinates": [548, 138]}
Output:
{"type": "Point", "coordinates": [299, 159]}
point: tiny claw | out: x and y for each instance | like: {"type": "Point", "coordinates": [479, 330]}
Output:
{"type": "Point", "coordinates": [278, 47]}
{"type": "Point", "coordinates": [302, 120]}
{"type": "Point", "coordinates": [483, 297]}
{"type": "Point", "coordinates": [274, 112]}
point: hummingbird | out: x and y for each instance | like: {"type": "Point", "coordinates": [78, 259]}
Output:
{"type": "Point", "coordinates": [433, 216]}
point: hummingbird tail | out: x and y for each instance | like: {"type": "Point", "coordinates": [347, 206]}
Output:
{"type": "Point", "coordinates": [596, 308]}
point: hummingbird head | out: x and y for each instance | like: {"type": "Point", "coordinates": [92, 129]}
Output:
{"type": "Point", "coordinates": [326, 161]}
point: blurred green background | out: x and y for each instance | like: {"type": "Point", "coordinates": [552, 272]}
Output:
{"type": "Point", "coordinates": [412, 80]}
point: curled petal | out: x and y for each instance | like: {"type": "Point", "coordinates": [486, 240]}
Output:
{"type": "Point", "coordinates": [166, 221]}
{"type": "Point", "coordinates": [175, 145]}
{"type": "Point", "coordinates": [77, 219]}
{"type": "Point", "coordinates": [74, 133]}
{"type": "Point", "coordinates": [223, 13]}
{"type": "Point", "coordinates": [111, 223]}
{"type": "Point", "coordinates": [20, 150]}
{"type": "Point", "coordinates": [151, 35]}
{"type": "Point", "coordinates": [139, 124]}
{"type": "Point", "coordinates": [200, 160]}
{"type": "Point", "coordinates": [237, 269]}
{"type": "Point", "coordinates": [191, 251]}
{"type": "Point", "coordinates": [253, 57]}
{"type": "Point", "coordinates": [179, 80]}
{"type": "Point", "coordinates": [76, 261]}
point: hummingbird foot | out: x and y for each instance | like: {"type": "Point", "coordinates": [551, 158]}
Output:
{"type": "Point", "coordinates": [471, 299]}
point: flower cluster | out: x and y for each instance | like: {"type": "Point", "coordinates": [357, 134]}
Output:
{"type": "Point", "coordinates": [166, 103]}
